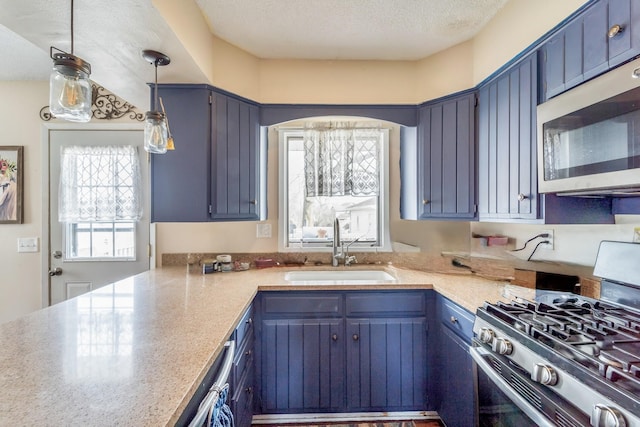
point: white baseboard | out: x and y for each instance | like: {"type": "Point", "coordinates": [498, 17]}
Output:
{"type": "Point", "coordinates": [343, 417]}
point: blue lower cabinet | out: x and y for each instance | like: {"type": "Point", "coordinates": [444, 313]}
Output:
{"type": "Point", "coordinates": [342, 352]}
{"type": "Point", "coordinates": [242, 381]}
{"type": "Point", "coordinates": [302, 365]}
{"type": "Point", "coordinates": [386, 369]}
{"type": "Point", "coordinates": [455, 383]}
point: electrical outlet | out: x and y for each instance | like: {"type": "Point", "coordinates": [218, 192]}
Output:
{"type": "Point", "coordinates": [263, 231]}
{"type": "Point", "coordinates": [548, 246]}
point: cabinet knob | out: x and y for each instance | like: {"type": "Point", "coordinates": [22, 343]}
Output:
{"type": "Point", "coordinates": [249, 390]}
{"type": "Point", "coordinates": [356, 337]}
{"type": "Point", "coordinates": [249, 321]}
{"type": "Point", "coordinates": [615, 30]}
{"type": "Point", "coordinates": [253, 202]}
{"type": "Point", "coordinates": [247, 353]}
{"type": "Point", "coordinates": [334, 337]}
{"type": "Point", "coordinates": [453, 319]}
{"type": "Point", "coordinates": [426, 201]}
{"type": "Point", "coordinates": [522, 196]}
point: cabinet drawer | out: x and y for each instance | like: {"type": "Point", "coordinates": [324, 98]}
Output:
{"type": "Point", "coordinates": [457, 319]}
{"type": "Point", "coordinates": [245, 326]}
{"type": "Point", "coordinates": [244, 357]}
{"type": "Point", "coordinates": [386, 304]}
{"type": "Point", "coordinates": [242, 401]}
{"type": "Point", "coordinates": [303, 304]}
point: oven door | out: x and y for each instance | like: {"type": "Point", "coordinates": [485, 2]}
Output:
{"type": "Point", "coordinates": [508, 397]}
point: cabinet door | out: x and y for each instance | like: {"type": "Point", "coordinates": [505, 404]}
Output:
{"type": "Point", "coordinates": [386, 364]}
{"type": "Point", "coordinates": [454, 373]}
{"type": "Point", "coordinates": [302, 365]}
{"type": "Point", "coordinates": [180, 178]}
{"type": "Point", "coordinates": [235, 160]}
{"type": "Point", "coordinates": [455, 381]}
{"type": "Point", "coordinates": [595, 44]}
{"type": "Point", "coordinates": [626, 43]}
{"type": "Point", "coordinates": [507, 175]}
{"type": "Point", "coordinates": [446, 150]}
{"type": "Point", "coordinates": [553, 66]}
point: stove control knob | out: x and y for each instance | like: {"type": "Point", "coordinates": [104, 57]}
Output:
{"type": "Point", "coordinates": [502, 346]}
{"type": "Point", "coordinates": [606, 416]}
{"type": "Point", "coordinates": [544, 374]}
{"type": "Point", "coordinates": [486, 335]}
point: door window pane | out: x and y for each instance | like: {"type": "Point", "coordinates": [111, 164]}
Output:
{"type": "Point", "coordinates": [100, 240]}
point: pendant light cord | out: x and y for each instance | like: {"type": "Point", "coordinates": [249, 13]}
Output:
{"type": "Point", "coordinates": [71, 27]}
{"type": "Point", "coordinates": [155, 88]}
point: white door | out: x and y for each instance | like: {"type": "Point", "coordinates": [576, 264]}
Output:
{"type": "Point", "coordinates": [87, 255]}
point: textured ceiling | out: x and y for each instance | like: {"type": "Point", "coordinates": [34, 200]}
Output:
{"type": "Point", "coordinates": [347, 29]}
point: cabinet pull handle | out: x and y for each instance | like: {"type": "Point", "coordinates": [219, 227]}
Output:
{"type": "Point", "coordinates": [454, 319]}
{"type": "Point", "coordinates": [426, 201]}
{"type": "Point", "coordinates": [253, 202]}
{"type": "Point", "coordinates": [615, 30]}
{"type": "Point", "coordinates": [334, 337]}
{"type": "Point", "coordinates": [356, 337]}
{"type": "Point", "coordinates": [522, 196]}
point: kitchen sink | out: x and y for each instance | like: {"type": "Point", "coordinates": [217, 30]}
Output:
{"type": "Point", "coordinates": [339, 277]}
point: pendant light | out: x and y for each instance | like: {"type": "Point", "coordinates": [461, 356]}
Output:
{"type": "Point", "coordinates": [70, 94]}
{"type": "Point", "coordinates": [156, 133]}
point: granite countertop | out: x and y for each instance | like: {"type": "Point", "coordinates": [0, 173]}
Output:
{"type": "Point", "coordinates": [132, 353]}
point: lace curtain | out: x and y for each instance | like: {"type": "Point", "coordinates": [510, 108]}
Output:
{"type": "Point", "coordinates": [99, 184]}
{"type": "Point", "coordinates": [341, 161]}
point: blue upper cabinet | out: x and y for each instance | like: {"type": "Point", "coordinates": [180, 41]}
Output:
{"type": "Point", "coordinates": [180, 178]}
{"type": "Point", "coordinates": [507, 178]}
{"type": "Point", "coordinates": [217, 168]}
{"type": "Point", "coordinates": [236, 160]}
{"type": "Point", "coordinates": [442, 162]}
{"type": "Point", "coordinates": [602, 37]}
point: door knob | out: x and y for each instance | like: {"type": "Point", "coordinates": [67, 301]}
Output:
{"type": "Point", "coordinates": [55, 272]}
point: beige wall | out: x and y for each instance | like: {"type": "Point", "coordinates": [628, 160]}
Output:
{"type": "Point", "coordinates": [20, 273]}
{"type": "Point", "coordinates": [514, 28]}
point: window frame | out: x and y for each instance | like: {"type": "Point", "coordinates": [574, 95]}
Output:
{"type": "Point", "coordinates": [284, 134]}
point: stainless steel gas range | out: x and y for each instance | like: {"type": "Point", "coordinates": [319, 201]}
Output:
{"type": "Point", "coordinates": [563, 359]}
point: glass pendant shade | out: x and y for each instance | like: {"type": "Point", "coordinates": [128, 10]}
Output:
{"type": "Point", "coordinates": [70, 93]}
{"type": "Point", "coordinates": [155, 133]}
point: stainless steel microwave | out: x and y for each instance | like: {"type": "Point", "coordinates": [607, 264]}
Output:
{"type": "Point", "coordinates": [589, 137]}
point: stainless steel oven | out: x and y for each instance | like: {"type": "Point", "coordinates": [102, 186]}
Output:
{"type": "Point", "coordinates": [564, 359]}
{"type": "Point", "coordinates": [505, 396]}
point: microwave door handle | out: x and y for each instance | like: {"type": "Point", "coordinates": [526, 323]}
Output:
{"type": "Point", "coordinates": [503, 386]}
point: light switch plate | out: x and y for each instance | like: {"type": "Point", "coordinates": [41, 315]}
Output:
{"type": "Point", "coordinates": [263, 231]}
{"type": "Point", "coordinates": [27, 244]}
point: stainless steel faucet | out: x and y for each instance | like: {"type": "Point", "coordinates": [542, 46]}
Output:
{"type": "Point", "coordinates": [337, 246]}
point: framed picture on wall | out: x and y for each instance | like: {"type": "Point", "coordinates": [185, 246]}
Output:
{"type": "Point", "coordinates": [11, 185]}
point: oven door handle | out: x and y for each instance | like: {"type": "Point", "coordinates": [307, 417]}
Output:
{"type": "Point", "coordinates": [526, 407]}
